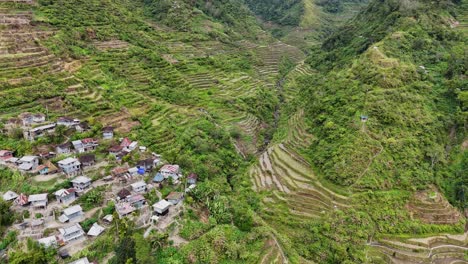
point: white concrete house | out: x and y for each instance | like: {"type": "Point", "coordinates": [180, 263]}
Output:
{"type": "Point", "coordinates": [65, 195]}
{"type": "Point", "coordinates": [81, 183]}
{"type": "Point", "coordinates": [70, 166]}
{"type": "Point", "coordinates": [28, 163]}
{"type": "Point", "coordinates": [71, 213]}
{"type": "Point", "coordinates": [38, 200]}
{"type": "Point", "coordinates": [139, 187]}
{"type": "Point", "coordinates": [161, 207]}
{"type": "Point", "coordinates": [71, 233]}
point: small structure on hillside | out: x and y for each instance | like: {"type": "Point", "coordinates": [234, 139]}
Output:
{"type": "Point", "coordinates": [364, 118]}
{"type": "Point", "coordinates": [87, 160]}
{"type": "Point", "coordinates": [67, 121]}
{"type": "Point", "coordinates": [9, 196]}
{"type": "Point", "coordinates": [147, 164]}
{"type": "Point", "coordinates": [28, 163]}
{"type": "Point", "coordinates": [71, 213]}
{"type": "Point", "coordinates": [192, 178]}
{"type": "Point", "coordinates": [70, 166]}
{"type": "Point", "coordinates": [85, 145]}
{"type": "Point", "coordinates": [108, 219]}
{"type": "Point", "coordinates": [175, 197]}
{"type": "Point", "coordinates": [65, 196]}
{"type": "Point", "coordinates": [29, 119]}
{"type": "Point", "coordinates": [64, 148]}
{"type": "Point", "coordinates": [22, 200]}
{"type": "Point", "coordinates": [95, 230]}
{"type": "Point", "coordinates": [124, 209]}
{"type": "Point", "coordinates": [82, 127]}
{"type": "Point", "coordinates": [38, 200]}
{"type": "Point", "coordinates": [125, 142]}
{"type": "Point", "coordinates": [161, 207]}
{"type": "Point", "coordinates": [172, 171]}
{"type": "Point", "coordinates": [5, 155]}
{"type": "Point", "coordinates": [40, 131]}
{"type": "Point", "coordinates": [123, 194]}
{"type": "Point", "coordinates": [139, 187]}
{"type": "Point", "coordinates": [47, 168]}
{"type": "Point", "coordinates": [115, 150]}
{"type": "Point", "coordinates": [71, 233]}
{"type": "Point", "coordinates": [158, 178]}
{"type": "Point", "coordinates": [81, 183]}
{"type": "Point", "coordinates": [108, 132]}
{"type": "Point", "coordinates": [50, 241]}
{"type": "Point", "coordinates": [136, 200]}
{"type": "Point", "coordinates": [81, 261]}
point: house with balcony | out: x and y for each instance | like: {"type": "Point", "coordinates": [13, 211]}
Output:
{"type": "Point", "coordinates": [70, 166]}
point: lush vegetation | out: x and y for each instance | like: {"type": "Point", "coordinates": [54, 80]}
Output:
{"type": "Point", "coordinates": [201, 84]}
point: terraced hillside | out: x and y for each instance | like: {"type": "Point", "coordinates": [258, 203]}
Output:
{"type": "Point", "coordinates": [292, 193]}
{"type": "Point", "coordinates": [443, 249]}
{"type": "Point", "coordinates": [431, 207]}
{"type": "Point", "coordinates": [29, 72]}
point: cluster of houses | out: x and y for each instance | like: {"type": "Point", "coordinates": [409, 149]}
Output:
{"type": "Point", "coordinates": [36, 125]}
{"type": "Point", "coordinates": [128, 199]}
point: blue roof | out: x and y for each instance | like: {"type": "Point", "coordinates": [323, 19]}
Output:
{"type": "Point", "coordinates": [158, 178]}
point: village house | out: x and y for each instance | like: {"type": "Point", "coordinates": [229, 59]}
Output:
{"type": "Point", "coordinates": [22, 200]}
{"type": "Point", "coordinates": [192, 178]}
{"type": "Point", "coordinates": [124, 209]}
{"type": "Point", "coordinates": [147, 164]}
{"type": "Point", "coordinates": [5, 155]}
{"type": "Point", "coordinates": [158, 178]}
{"type": "Point", "coordinates": [9, 196]}
{"type": "Point", "coordinates": [172, 171]}
{"type": "Point", "coordinates": [85, 145]}
{"type": "Point", "coordinates": [29, 119]}
{"type": "Point", "coordinates": [47, 155]}
{"type": "Point", "coordinates": [123, 194]}
{"type": "Point", "coordinates": [38, 200]}
{"type": "Point", "coordinates": [139, 187]}
{"type": "Point", "coordinates": [65, 196]}
{"type": "Point", "coordinates": [71, 213]}
{"type": "Point", "coordinates": [161, 207]}
{"type": "Point", "coordinates": [81, 183]}
{"type": "Point", "coordinates": [125, 142]}
{"type": "Point", "coordinates": [121, 173]}
{"type": "Point", "coordinates": [70, 166]}
{"type": "Point", "coordinates": [71, 233]}
{"type": "Point", "coordinates": [47, 168]}
{"type": "Point", "coordinates": [28, 163]}
{"type": "Point", "coordinates": [50, 241]}
{"type": "Point", "coordinates": [95, 230]}
{"type": "Point", "coordinates": [64, 148]}
{"type": "Point", "coordinates": [133, 171]}
{"type": "Point", "coordinates": [175, 197]}
{"type": "Point", "coordinates": [87, 160]}
{"type": "Point", "coordinates": [82, 127]}
{"type": "Point", "coordinates": [40, 131]}
{"type": "Point", "coordinates": [115, 150]}
{"type": "Point", "coordinates": [67, 121]}
{"type": "Point", "coordinates": [131, 147]}
{"type": "Point", "coordinates": [108, 132]}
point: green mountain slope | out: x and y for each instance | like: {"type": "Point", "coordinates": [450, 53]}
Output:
{"type": "Point", "coordinates": [375, 144]}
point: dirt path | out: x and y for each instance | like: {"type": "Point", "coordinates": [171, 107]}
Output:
{"type": "Point", "coordinates": [371, 160]}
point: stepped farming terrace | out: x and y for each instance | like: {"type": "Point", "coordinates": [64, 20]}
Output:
{"type": "Point", "coordinates": [189, 95]}
{"type": "Point", "coordinates": [120, 83]}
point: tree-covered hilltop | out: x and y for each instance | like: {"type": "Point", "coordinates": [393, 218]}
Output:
{"type": "Point", "coordinates": [402, 65]}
